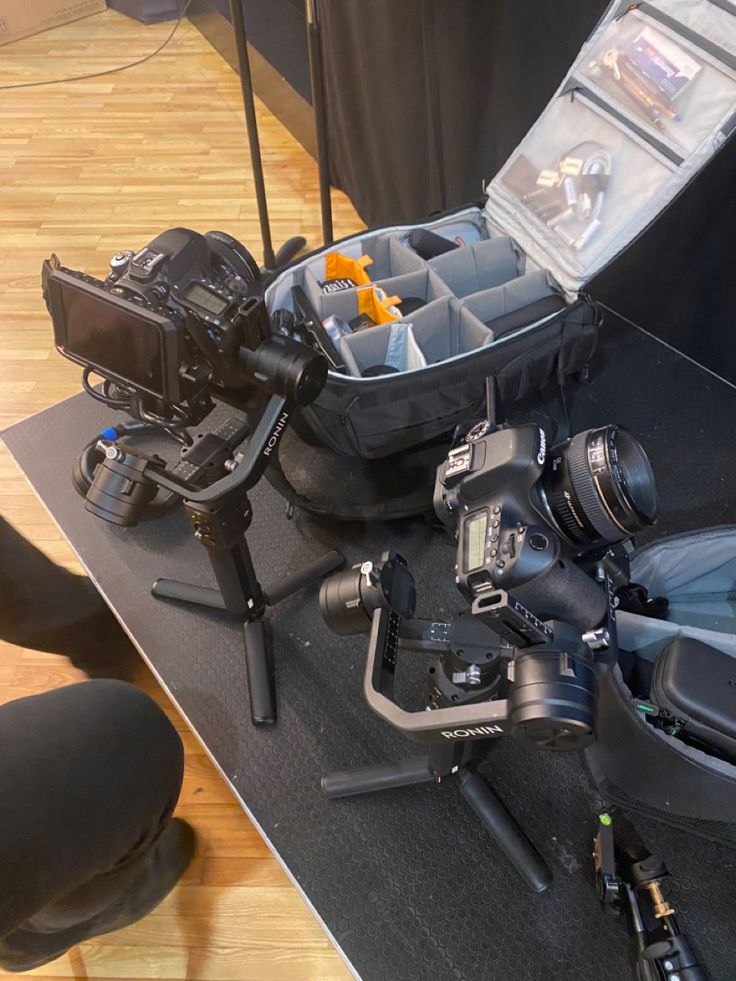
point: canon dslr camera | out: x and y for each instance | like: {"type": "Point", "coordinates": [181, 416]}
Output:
{"type": "Point", "coordinates": [527, 519]}
{"type": "Point", "coordinates": [181, 315]}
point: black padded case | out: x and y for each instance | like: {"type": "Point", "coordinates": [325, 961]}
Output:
{"type": "Point", "coordinates": [696, 684]}
{"type": "Point", "coordinates": [637, 765]}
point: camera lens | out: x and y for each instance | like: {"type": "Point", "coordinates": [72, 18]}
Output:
{"type": "Point", "coordinates": [600, 488]}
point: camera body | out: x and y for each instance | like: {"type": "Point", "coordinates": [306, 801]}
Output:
{"type": "Point", "coordinates": [168, 321]}
{"type": "Point", "coordinates": [485, 490]}
{"type": "Point", "coordinates": [524, 514]}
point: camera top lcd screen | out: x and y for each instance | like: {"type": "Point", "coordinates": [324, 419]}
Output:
{"type": "Point", "coordinates": [475, 540]}
{"type": "Point", "coordinates": [205, 298]}
{"type": "Point", "coordinates": [110, 337]}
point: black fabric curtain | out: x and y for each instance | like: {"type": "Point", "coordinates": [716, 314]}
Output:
{"type": "Point", "coordinates": [427, 99]}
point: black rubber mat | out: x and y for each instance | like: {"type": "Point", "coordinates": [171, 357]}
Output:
{"type": "Point", "coordinates": [407, 882]}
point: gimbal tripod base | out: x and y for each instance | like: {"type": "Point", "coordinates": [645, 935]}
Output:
{"type": "Point", "coordinates": [221, 529]}
{"type": "Point", "coordinates": [450, 761]}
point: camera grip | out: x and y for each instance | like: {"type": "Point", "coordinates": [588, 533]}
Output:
{"type": "Point", "coordinates": [564, 592]}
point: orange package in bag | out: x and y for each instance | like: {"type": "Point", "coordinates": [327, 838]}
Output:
{"type": "Point", "coordinates": [373, 302]}
{"type": "Point", "coordinates": [338, 266]}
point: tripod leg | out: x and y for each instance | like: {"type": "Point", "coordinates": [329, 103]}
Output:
{"type": "Point", "coordinates": [188, 593]}
{"type": "Point", "coordinates": [260, 671]}
{"type": "Point", "coordinates": [384, 776]}
{"type": "Point", "coordinates": [278, 591]}
{"type": "Point", "coordinates": [512, 840]}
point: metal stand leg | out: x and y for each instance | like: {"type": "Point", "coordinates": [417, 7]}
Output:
{"type": "Point", "coordinates": [316, 71]}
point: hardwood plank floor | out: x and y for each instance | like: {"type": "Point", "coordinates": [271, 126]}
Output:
{"type": "Point", "coordinates": [87, 168]}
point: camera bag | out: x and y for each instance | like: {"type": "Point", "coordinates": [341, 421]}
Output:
{"type": "Point", "coordinates": [649, 100]}
{"type": "Point", "coordinates": [695, 686]}
{"type": "Point", "coordinates": [692, 659]}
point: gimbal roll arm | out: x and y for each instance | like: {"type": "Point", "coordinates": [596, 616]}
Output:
{"type": "Point", "coordinates": [477, 720]}
{"type": "Point", "coordinates": [294, 375]}
{"type": "Point", "coordinates": [262, 444]}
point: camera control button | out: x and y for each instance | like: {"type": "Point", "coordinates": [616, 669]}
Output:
{"type": "Point", "coordinates": [538, 542]}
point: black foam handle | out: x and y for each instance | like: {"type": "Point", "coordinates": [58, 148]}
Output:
{"type": "Point", "coordinates": [565, 593]}
{"type": "Point", "coordinates": [260, 672]}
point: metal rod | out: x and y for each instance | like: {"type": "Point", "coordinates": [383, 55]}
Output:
{"type": "Point", "coordinates": [249, 108]}
{"type": "Point", "coordinates": [316, 72]}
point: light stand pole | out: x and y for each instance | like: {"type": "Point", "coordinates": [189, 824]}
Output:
{"type": "Point", "coordinates": [294, 245]}
{"type": "Point", "coordinates": [316, 71]}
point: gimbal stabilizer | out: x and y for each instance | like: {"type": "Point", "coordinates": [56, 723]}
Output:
{"type": "Point", "coordinates": [546, 671]}
{"type": "Point", "coordinates": [220, 513]}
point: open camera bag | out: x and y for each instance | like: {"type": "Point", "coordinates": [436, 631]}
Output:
{"type": "Point", "coordinates": [649, 100]}
{"type": "Point", "coordinates": [639, 766]}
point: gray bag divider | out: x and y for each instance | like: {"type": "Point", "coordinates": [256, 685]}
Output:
{"type": "Point", "coordinates": [648, 101]}
{"type": "Point", "coordinates": [369, 348]}
{"type": "Point", "coordinates": [634, 763]}
{"type": "Point", "coordinates": [390, 257]}
{"type": "Point", "coordinates": [480, 266]}
{"type": "Point", "coordinates": [425, 284]}
{"type": "Point", "coordinates": [507, 307]}
{"type": "Point", "coordinates": [442, 329]}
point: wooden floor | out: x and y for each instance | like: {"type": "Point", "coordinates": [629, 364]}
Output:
{"type": "Point", "coordinates": [87, 168]}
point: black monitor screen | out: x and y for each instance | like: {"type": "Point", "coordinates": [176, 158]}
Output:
{"type": "Point", "coordinates": [114, 339]}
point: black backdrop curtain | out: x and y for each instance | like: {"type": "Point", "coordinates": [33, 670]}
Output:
{"type": "Point", "coordinates": [427, 99]}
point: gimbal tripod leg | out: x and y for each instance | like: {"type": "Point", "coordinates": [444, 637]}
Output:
{"type": "Point", "coordinates": [277, 591]}
{"type": "Point", "coordinates": [499, 822]}
{"type": "Point", "coordinates": [259, 663]}
{"type": "Point", "coordinates": [259, 670]}
{"type": "Point", "coordinates": [383, 776]}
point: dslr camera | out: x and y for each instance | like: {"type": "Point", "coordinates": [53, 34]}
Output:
{"type": "Point", "coordinates": [540, 549]}
{"type": "Point", "coordinates": [170, 322]}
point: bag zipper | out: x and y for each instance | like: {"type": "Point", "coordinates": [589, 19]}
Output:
{"type": "Point", "coordinates": [724, 5]}
{"type": "Point", "coordinates": [628, 122]}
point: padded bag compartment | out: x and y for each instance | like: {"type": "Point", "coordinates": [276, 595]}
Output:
{"type": "Point", "coordinates": [696, 685]}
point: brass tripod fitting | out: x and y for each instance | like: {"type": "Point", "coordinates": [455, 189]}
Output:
{"type": "Point", "coordinates": [661, 906]}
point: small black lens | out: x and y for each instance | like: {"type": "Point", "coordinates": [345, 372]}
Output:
{"type": "Point", "coordinates": [600, 488]}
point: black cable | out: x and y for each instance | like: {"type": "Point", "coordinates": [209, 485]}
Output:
{"type": "Point", "coordinates": [107, 71]}
{"type": "Point", "coordinates": [120, 401]}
